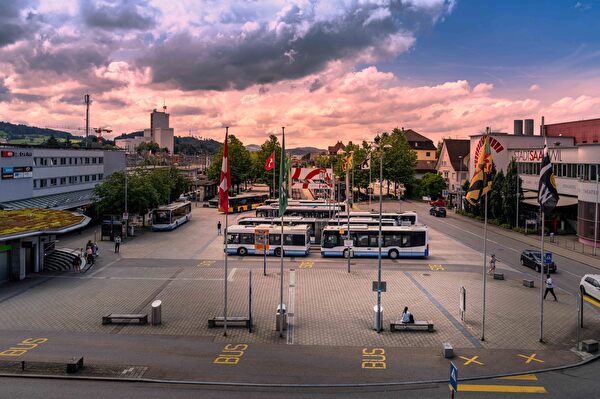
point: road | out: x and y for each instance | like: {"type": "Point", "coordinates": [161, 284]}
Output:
{"type": "Point", "coordinates": [578, 382]}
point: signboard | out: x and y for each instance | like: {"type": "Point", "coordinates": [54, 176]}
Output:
{"type": "Point", "coordinates": [125, 216]}
{"type": "Point", "coordinates": [547, 258]}
{"type": "Point", "coordinates": [453, 377]}
{"type": "Point", "coordinates": [347, 243]}
{"type": "Point", "coordinates": [10, 154]}
{"type": "Point", "coordinates": [17, 172]}
{"type": "Point", "coordinates": [261, 240]}
{"type": "Point", "coordinates": [312, 178]}
{"type": "Point", "coordinates": [383, 286]}
{"type": "Point", "coordinates": [445, 193]}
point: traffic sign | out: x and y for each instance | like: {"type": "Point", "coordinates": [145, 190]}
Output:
{"type": "Point", "coordinates": [445, 193]}
{"type": "Point", "coordinates": [453, 377]}
{"type": "Point", "coordinates": [383, 286]}
{"type": "Point", "coordinates": [547, 258]}
{"type": "Point", "coordinates": [347, 243]}
{"type": "Point", "coordinates": [125, 216]}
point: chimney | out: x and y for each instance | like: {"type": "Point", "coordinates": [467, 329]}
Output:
{"type": "Point", "coordinates": [518, 129]}
{"type": "Point", "coordinates": [529, 127]}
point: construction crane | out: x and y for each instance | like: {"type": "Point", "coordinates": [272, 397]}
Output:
{"type": "Point", "coordinates": [98, 130]}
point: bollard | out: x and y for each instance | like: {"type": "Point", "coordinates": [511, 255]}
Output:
{"type": "Point", "coordinates": [156, 312]}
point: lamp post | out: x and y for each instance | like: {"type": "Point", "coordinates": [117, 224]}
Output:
{"type": "Point", "coordinates": [460, 159]}
{"type": "Point", "coordinates": [380, 238]}
{"type": "Point", "coordinates": [348, 205]}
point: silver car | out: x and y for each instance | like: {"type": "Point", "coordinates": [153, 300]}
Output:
{"type": "Point", "coordinates": [590, 285]}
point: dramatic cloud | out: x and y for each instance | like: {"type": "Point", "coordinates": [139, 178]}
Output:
{"type": "Point", "coordinates": [16, 20]}
{"type": "Point", "coordinates": [117, 14]}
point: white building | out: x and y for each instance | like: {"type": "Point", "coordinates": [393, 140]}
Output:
{"type": "Point", "coordinates": [159, 133]}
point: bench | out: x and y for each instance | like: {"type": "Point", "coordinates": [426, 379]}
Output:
{"type": "Point", "coordinates": [417, 325]}
{"type": "Point", "coordinates": [232, 321]}
{"type": "Point", "coordinates": [116, 318]}
{"type": "Point", "coordinates": [528, 283]}
{"type": "Point", "coordinates": [498, 276]}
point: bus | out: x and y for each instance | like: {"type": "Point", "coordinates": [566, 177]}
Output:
{"type": "Point", "coordinates": [242, 202]}
{"type": "Point", "coordinates": [403, 218]}
{"type": "Point", "coordinates": [363, 221]}
{"type": "Point", "coordinates": [398, 241]}
{"type": "Point", "coordinates": [309, 203]}
{"type": "Point", "coordinates": [171, 216]}
{"type": "Point", "coordinates": [315, 225]}
{"type": "Point", "coordinates": [298, 210]}
{"type": "Point", "coordinates": [255, 240]}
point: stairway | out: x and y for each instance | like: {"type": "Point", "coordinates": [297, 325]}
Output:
{"type": "Point", "coordinates": [61, 259]}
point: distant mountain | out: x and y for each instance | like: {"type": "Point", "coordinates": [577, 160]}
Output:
{"type": "Point", "coordinates": [14, 132]}
{"type": "Point", "coordinates": [130, 135]}
{"type": "Point", "coordinates": [304, 150]}
{"type": "Point", "coordinates": [253, 147]}
{"type": "Point", "coordinates": [191, 145]}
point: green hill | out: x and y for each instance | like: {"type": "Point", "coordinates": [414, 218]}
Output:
{"type": "Point", "coordinates": [23, 134]}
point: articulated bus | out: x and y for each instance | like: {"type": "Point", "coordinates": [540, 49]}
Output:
{"type": "Point", "coordinates": [242, 202]}
{"type": "Point", "coordinates": [309, 203]}
{"type": "Point", "coordinates": [171, 216]}
{"type": "Point", "coordinates": [315, 226]}
{"type": "Point", "coordinates": [403, 218]}
{"type": "Point", "coordinates": [255, 240]}
{"type": "Point", "coordinates": [398, 241]}
{"type": "Point", "coordinates": [304, 211]}
{"type": "Point", "coordinates": [362, 221]}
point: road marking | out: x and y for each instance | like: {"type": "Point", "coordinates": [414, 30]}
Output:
{"type": "Point", "coordinates": [501, 388]}
{"type": "Point", "coordinates": [231, 273]}
{"type": "Point", "coordinates": [307, 264]}
{"type": "Point", "coordinates": [436, 267]}
{"type": "Point", "coordinates": [231, 354]}
{"type": "Point", "coordinates": [530, 358]}
{"type": "Point", "coordinates": [471, 360]}
{"type": "Point", "coordinates": [206, 263]}
{"type": "Point", "coordinates": [23, 347]}
{"type": "Point", "coordinates": [591, 300]}
{"type": "Point", "coordinates": [373, 359]}
{"type": "Point", "coordinates": [520, 377]}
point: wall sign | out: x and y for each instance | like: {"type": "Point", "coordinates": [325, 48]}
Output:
{"type": "Point", "coordinates": [17, 172]}
{"type": "Point", "coordinates": [10, 154]}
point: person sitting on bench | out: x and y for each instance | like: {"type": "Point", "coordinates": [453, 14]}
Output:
{"type": "Point", "coordinates": [407, 317]}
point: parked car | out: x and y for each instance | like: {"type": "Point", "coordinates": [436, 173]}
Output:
{"type": "Point", "coordinates": [439, 202]}
{"type": "Point", "coordinates": [438, 211]}
{"type": "Point", "coordinates": [590, 285]}
{"type": "Point", "coordinates": [532, 258]}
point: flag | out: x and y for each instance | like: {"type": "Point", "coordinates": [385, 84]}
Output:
{"type": "Point", "coordinates": [366, 163]}
{"type": "Point", "coordinates": [284, 166]}
{"type": "Point", "coordinates": [347, 163]}
{"type": "Point", "coordinates": [547, 192]}
{"type": "Point", "coordinates": [225, 181]}
{"type": "Point", "coordinates": [270, 162]}
{"type": "Point", "coordinates": [481, 182]}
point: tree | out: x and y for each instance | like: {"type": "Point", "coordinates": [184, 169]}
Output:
{"type": "Point", "coordinates": [52, 142]}
{"type": "Point", "coordinates": [110, 195]}
{"type": "Point", "coordinates": [438, 151]}
{"type": "Point", "coordinates": [496, 201]}
{"type": "Point", "coordinates": [399, 160]}
{"type": "Point", "coordinates": [150, 147]}
{"type": "Point", "coordinates": [259, 172]}
{"type": "Point", "coordinates": [239, 163]}
{"type": "Point", "coordinates": [509, 193]}
{"type": "Point", "coordinates": [432, 185]}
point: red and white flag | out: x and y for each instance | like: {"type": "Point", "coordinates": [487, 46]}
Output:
{"type": "Point", "coordinates": [270, 162]}
{"type": "Point", "coordinates": [225, 181]}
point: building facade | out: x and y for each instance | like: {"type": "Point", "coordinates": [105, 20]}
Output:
{"type": "Point", "coordinates": [452, 163]}
{"type": "Point", "coordinates": [584, 132]}
{"type": "Point", "coordinates": [56, 178]}
{"type": "Point", "coordinates": [425, 150]}
{"type": "Point", "coordinates": [159, 133]}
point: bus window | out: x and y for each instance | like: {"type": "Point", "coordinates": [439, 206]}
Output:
{"type": "Point", "coordinates": [274, 239]}
{"type": "Point", "coordinates": [293, 239]}
{"type": "Point", "coordinates": [247, 238]}
{"type": "Point", "coordinates": [362, 240]}
{"type": "Point", "coordinates": [233, 238]}
{"type": "Point", "coordinates": [418, 238]}
{"type": "Point", "coordinates": [405, 240]}
{"type": "Point", "coordinates": [161, 217]}
{"type": "Point", "coordinates": [331, 239]}
{"type": "Point", "coordinates": [373, 239]}
{"type": "Point", "coordinates": [391, 240]}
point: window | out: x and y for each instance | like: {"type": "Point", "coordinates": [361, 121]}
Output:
{"type": "Point", "coordinates": [36, 183]}
{"type": "Point", "coordinates": [274, 239]}
{"type": "Point", "coordinates": [43, 183]}
{"type": "Point", "coordinates": [391, 240]}
{"type": "Point", "coordinates": [428, 154]}
{"type": "Point", "coordinates": [63, 181]}
{"type": "Point", "coordinates": [294, 239]}
{"type": "Point", "coordinates": [233, 238]}
{"type": "Point", "coordinates": [63, 161]}
{"type": "Point", "coordinates": [87, 160]}
{"type": "Point", "coordinates": [247, 238]}
{"type": "Point", "coordinates": [53, 182]}
{"type": "Point", "coordinates": [72, 179]}
{"type": "Point", "coordinates": [362, 240]}
{"type": "Point", "coordinates": [100, 160]}
{"type": "Point", "coordinates": [94, 160]}
{"type": "Point", "coordinates": [593, 172]}
{"type": "Point", "coordinates": [331, 239]}
{"type": "Point", "coordinates": [445, 174]}
{"type": "Point", "coordinates": [87, 178]}
{"type": "Point", "coordinates": [94, 177]}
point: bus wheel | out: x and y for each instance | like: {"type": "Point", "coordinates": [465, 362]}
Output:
{"type": "Point", "coordinates": [393, 254]}
{"type": "Point", "coordinates": [242, 251]}
{"type": "Point", "coordinates": [277, 251]}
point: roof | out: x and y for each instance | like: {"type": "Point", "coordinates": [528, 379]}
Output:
{"type": "Point", "coordinates": [31, 221]}
{"type": "Point", "coordinates": [426, 166]}
{"type": "Point", "coordinates": [70, 200]}
{"type": "Point", "coordinates": [417, 141]}
{"type": "Point", "coordinates": [339, 145]}
{"type": "Point", "coordinates": [458, 149]}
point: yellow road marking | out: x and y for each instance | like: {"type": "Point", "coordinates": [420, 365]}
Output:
{"type": "Point", "coordinates": [23, 347]}
{"type": "Point", "coordinates": [471, 360]}
{"type": "Point", "coordinates": [206, 263]}
{"type": "Point", "coordinates": [436, 267]}
{"type": "Point", "coordinates": [591, 300]}
{"type": "Point", "coordinates": [373, 359]}
{"type": "Point", "coordinates": [231, 354]}
{"type": "Point", "coordinates": [500, 388]}
{"type": "Point", "coordinates": [530, 358]}
{"type": "Point", "coordinates": [307, 264]}
{"type": "Point", "coordinates": [521, 377]}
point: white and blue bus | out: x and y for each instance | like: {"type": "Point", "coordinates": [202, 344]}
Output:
{"type": "Point", "coordinates": [315, 226]}
{"type": "Point", "coordinates": [255, 240]}
{"type": "Point", "coordinates": [171, 216]}
{"type": "Point", "coordinates": [402, 218]}
{"type": "Point", "coordinates": [343, 220]}
{"type": "Point", "coordinates": [398, 241]}
{"type": "Point", "coordinates": [325, 212]}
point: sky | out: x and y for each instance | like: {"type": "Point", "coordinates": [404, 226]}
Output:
{"type": "Point", "coordinates": [326, 70]}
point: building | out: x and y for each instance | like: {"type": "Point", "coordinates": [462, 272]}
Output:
{"type": "Point", "coordinates": [159, 133]}
{"type": "Point", "coordinates": [53, 178]}
{"type": "Point", "coordinates": [452, 164]}
{"type": "Point", "coordinates": [584, 132]}
{"type": "Point", "coordinates": [337, 149]}
{"type": "Point", "coordinates": [425, 149]}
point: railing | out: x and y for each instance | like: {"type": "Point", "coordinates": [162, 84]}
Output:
{"type": "Point", "coordinates": [572, 245]}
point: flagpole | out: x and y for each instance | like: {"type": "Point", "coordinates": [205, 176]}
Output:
{"type": "Point", "coordinates": [226, 225]}
{"type": "Point", "coordinates": [274, 167]}
{"type": "Point", "coordinates": [542, 255]}
{"type": "Point", "coordinates": [282, 165]}
{"type": "Point", "coordinates": [484, 266]}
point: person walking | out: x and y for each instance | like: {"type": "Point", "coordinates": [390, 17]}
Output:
{"type": "Point", "coordinates": [89, 255]}
{"type": "Point", "coordinates": [219, 228]}
{"type": "Point", "coordinates": [549, 287]}
{"type": "Point", "coordinates": [77, 264]}
{"type": "Point", "coordinates": [492, 264]}
{"type": "Point", "coordinates": [117, 244]}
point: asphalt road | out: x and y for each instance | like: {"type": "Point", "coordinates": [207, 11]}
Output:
{"type": "Point", "coordinates": [580, 382]}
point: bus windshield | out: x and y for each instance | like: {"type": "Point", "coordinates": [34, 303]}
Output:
{"type": "Point", "coordinates": [161, 217]}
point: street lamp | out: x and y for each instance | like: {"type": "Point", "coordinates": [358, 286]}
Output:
{"type": "Point", "coordinates": [348, 202]}
{"type": "Point", "coordinates": [460, 159]}
{"type": "Point", "coordinates": [381, 148]}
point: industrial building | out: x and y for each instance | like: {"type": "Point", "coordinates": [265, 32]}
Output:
{"type": "Point", "coordinates": [159, 133]}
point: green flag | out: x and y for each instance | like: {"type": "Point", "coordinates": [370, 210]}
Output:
{"type": "Point", "coordinates": [284, 166]}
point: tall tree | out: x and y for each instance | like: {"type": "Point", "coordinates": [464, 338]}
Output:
{"type": "Point", "coordinates": [399, 161]}
{"type": "Point", "coordinates": [239, 163]}
{"type": "Point", "coordinates": [496, 198]}
{"type": "Point", "coordinates": [259, 172]}
{"type": "Point", "coordinates": [509, 190]}
{"type": "Point", "coordinates": [432, 185]}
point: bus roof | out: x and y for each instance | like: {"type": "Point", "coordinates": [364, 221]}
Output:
{"type": "Point", "coordinates": [356, 227]}
{"type": "Point", "coordinates": [298, 227]}
{"type": "Point", "coordinates": [173, 205]}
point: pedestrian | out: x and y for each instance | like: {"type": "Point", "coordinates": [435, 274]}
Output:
{"type": "Point", "coordinates": [492, 264]}
{"type": "Point", "coordinates": [219, 228]}
{"type": "Point", "coordinates": [549, 287]}
{"type": "Point", "coordinates": [77, 264]}
{"type": "Point", "coordinates": [117, 244]}
{"type": "Point", "coordinates": [95, 250]}
{"type": "Point", "coordinates": [407, 317]}
{"type": "Point", "coordinates": [89, 255]}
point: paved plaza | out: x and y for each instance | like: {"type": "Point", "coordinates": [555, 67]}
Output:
{"type": "Point", "coordinates": [329, 307]}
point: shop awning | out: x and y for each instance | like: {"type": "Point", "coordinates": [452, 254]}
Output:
{"type": "Point", "coordinates": [563, 200]}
